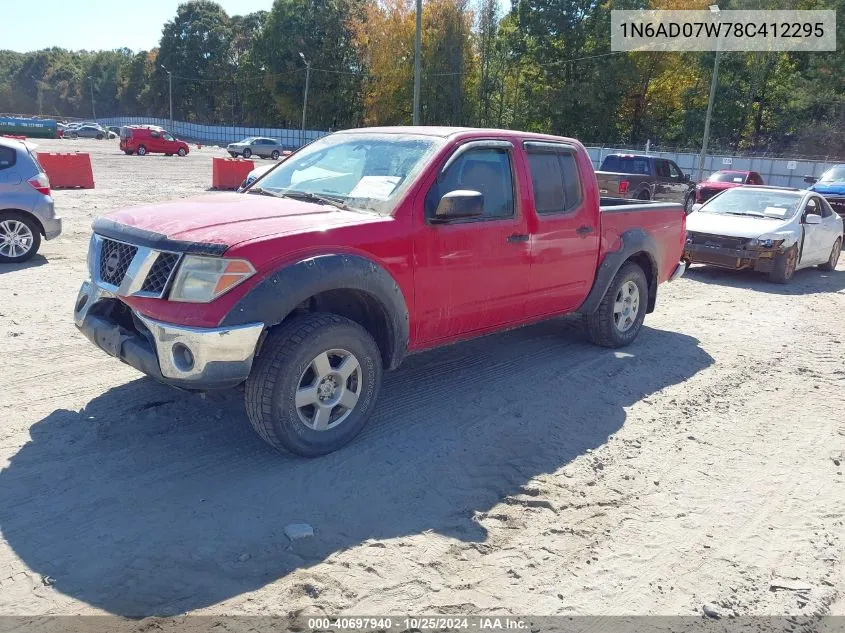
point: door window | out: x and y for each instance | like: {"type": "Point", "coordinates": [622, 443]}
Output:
{"type": "Point", "coordinates": [555, 180]}
{"type": "Point", "coordinates": [167, 137]}
{"type": "Point", "coordinates": [811, 208]}
{"type": "Point", "coordinates": [7, 157]}
{"type": "Point", "coordinates": [675, 172]}
{"type": "Point", "coordinates": [486, 170]}
{"type": "Point", "coordinates": [662, 168]}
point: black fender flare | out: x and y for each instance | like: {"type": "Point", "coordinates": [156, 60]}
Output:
{"type": "Point", "coordinates": [634, 241]}
{"type": "Point", "coordinates": [278, 294]}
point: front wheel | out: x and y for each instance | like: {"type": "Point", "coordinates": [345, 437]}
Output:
{"type": "Point", "coordinates": [830, 264]}
{"type": "Point", "coordinates": [247, 153]}
{"type": "Point", "coordinates": [182, 152]}
{"type": "Point", "coordinates": [19, 238]}
{"type": "Point", "coordinates": [99, 137]}
{"type": "Point", "coordinates": [784, 266]}
{"type": "Point", "coordinates": [274, 154]}
{"type": "Point", "coordinates": [619, 317]}
{"type": "Point", "coordinates": [142, 151]}
{"type": "Point", "coordinates": [233, 154]}
{"type": "Point", "coordinates": [314, 384]}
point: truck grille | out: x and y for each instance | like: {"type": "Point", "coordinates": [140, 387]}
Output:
{"type": "Point", "coordinates": [160, 272]}
{"type": "Point", "coordinates": [115, 258]}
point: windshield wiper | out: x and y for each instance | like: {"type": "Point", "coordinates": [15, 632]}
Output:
{"type": "Point", "coordinates": [264, 192]}
{"type": "Point", "coordinates": [313, 197]}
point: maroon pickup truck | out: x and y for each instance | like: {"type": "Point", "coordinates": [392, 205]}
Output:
{"type": "Point", "coordinates": [360, 248]}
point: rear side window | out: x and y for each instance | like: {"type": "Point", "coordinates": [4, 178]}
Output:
{"type": "Point", "coordinates": [7, 157]}
{"type": "Point", "coordinates": [626, 165]}
{"type": "Point", "coordinates": [555, 179]}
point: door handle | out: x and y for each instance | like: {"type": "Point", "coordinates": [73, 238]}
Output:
{"type": "Point", "coordinates": [583, 231]}
{"type": "Point", "coordinates": [517, 238]}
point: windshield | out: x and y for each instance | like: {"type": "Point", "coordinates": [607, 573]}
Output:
{"type": "Point", "coordinates": [834, 174]}
{"type": "Point", "coordinates": [728, 176]}
{"type": "Point", "coordinates": [247, 141]}
{"type": "Point", "coordinates": [754, 202]}
{"type": "Point", "coordinates": [364, 171]}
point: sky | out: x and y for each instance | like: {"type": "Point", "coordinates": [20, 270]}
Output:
{"type": "Point", "coordinates": [103, 24]}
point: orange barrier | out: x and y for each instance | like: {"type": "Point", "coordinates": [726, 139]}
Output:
{"type": "Point", "coordinates": [67, 170]}
{"type": "Point", "coordinates": [229, 173]}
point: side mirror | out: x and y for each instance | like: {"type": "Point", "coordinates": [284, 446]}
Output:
{"type": "Point", "coordinates": [696, 207]}
{"type": "Point", "coordinates": [685, 177]}
{"type": "Point", "coordinates": [810, 180]}
{"type": "Point", "coordinates": [812, 218]}
{"type": "Point", "coordinates": [460, 203]}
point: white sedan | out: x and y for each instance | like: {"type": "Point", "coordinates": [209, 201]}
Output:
{"type": "Point", "coordinates": [776, 230]}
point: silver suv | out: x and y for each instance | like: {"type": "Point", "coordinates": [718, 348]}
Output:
{"type": "Point", "coordinates": [26, 208]}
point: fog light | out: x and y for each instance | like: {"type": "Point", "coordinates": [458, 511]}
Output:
{"type": "Point", "coordinates": [183, 359]}
{"type": "Point", "coordinates": [80, 303]}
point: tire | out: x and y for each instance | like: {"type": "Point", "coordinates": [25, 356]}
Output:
{"type": "Point", "coordinates": [128, 152]}
{"type": "Point", "coordinates": [288, 360]}
{"type": "Point", "coordinates": [643, 195]}
{"type": "Point", "coordinates": [784, 266]}
{"type": "Point", "coordinates": [689, 200]}
{"type": "Point", "coordinates": [233, 154]}
{"type": "Point", "coordinates": [247, 153]}
{"type": "Point", "coordinates": [609, 326]}
{"type": "Point", "coordinates": [142, 150]}
{"type": "Point", "coordinates": [274, 154]}
{"type": "Point", "coordinates": [99, 137]}
{"type": "Point", "coordinates": [20, 238]}
{"type": "Point", "coordinates": [830, 264]}
{"type": "Point", "coordinates": [168, 154]}
{"type": "Point", "coordinates": [74, 135]}
{"type": "Point", "coordinates": [182, 152]}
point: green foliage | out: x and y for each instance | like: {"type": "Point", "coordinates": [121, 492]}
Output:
{"type": "Point", "coordinates": [544, 66]}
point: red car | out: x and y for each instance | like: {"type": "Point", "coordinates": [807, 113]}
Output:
{"type": "Point", "coordinates": [363, 247]}
{"type": "Point", "coordinates": [149, 139]}
{"type": "Point", "coordinates": [725, 179]}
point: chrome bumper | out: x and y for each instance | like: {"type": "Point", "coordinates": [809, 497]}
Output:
{"type": "Point", "coordinates": [187, 357]}
{"type": "Point", "coordinates": [679, 271]}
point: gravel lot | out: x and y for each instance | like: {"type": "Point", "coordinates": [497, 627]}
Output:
{"type": "Point", "coordinates": [523, 473]}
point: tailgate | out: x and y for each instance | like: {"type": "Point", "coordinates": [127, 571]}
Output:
{"type": "Point", "coordinates": [613, 184]}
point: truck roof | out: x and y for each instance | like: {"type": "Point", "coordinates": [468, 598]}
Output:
{"type": "Point", "coordinates": [447, 132]}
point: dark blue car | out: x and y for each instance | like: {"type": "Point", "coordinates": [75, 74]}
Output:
{"type": "Point", "coordinates": [831, 185]}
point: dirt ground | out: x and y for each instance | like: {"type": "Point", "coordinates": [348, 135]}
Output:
{"type": "Point", "coordinates": [523, 473]}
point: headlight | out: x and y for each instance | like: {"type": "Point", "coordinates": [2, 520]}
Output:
{"type": "Point", "coordinates": [766, 242]}
{"type": "Point", "coordinates": [203, 279]}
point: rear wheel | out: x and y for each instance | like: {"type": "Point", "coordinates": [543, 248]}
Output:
{"type": "Point", "coordinates": [247, 153]}
{"type": "Point", "coordinates": [19, 238]}
{"type": "Point", "coordinates": [314, 385]}
{"type": "Point", "coordinates": [619, 317]}
{"type": "Point", "coordinates": [830, 264]}
{"type": "Point", "coordinates": [182, 151]}
{"type": "Point", "coordinates": [274, 154]}
{"type": "Point", "coordinates": [128, 152]}
{"type": "Point", "coordinates": [142, 151]}
{"type": "Point", "coordinates": [168, 154]}
{"type": "Point", "coordinates": [643, 195]}
{"type": "Point", "coordinates": [784, 267]}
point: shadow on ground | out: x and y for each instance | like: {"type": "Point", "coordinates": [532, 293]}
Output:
{"type": "Point", "coordinates": [806, 281]}
{"type": "Point", "coordinates": [151, 501]}
{"type": "Point", "coordinates": [37, 260]}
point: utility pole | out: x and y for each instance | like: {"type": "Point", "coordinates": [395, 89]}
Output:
{"type": "Point", "coordinates": [170, 95]}
{"type": "Point", "coordinates": [93, 113]}
{"type": "Point", "coordinates": [417, 63]}
{"type": "Point", "coordinates": [305, 97]}
{"type": "Point", "coordinates": [714, 9]}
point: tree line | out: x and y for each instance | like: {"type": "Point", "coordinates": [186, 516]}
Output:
{"type": "Point", "coordinates": [544, 65]}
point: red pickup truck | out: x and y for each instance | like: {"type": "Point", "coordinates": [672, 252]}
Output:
{"type": "Point", "coordinates": [360, 248]}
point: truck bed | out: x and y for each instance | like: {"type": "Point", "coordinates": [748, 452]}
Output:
{"type": "Point", "coordinates": [610, 205]}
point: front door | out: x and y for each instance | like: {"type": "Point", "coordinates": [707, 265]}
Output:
{"type": "Point", "coordinates": [814, 234]}
{"type": "Point", "coordinates": [472, 274]}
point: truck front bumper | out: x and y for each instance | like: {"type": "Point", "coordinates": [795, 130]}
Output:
{"type": "Point", "coordinates": [185, 357]}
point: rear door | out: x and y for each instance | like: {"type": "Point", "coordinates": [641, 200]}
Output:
{"type": "Point", "coordinates": [564, 242]}
{"type": "Point", "coordinates": [472, 274]}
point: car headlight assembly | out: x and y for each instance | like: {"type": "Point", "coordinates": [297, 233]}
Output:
{"type": "Point", "coordinates": [202, 279]}
{"type": "Point", "coordinates": [767, 242]}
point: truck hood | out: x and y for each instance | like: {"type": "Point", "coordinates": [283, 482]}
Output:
{"type": "Point", "coordinates": [732, 225]}
{"type": "Point", "coordinates": [230, 218]}
{"type": "Point", "coordinates": [829, 189]}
